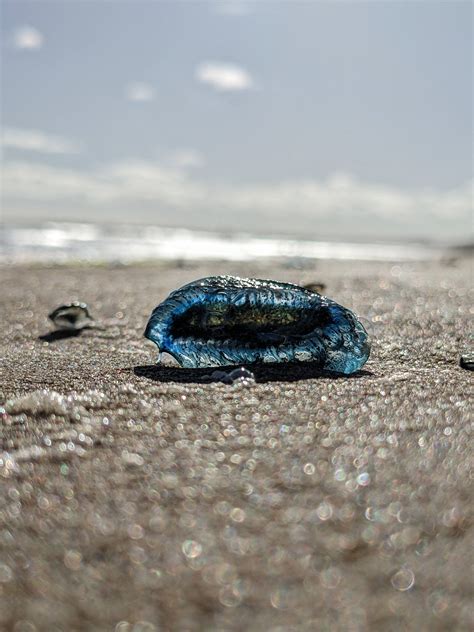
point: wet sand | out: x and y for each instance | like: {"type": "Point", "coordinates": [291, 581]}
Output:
{"type": "Point", "coordinates": [141, 498]}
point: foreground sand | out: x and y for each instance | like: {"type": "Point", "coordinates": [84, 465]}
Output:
{"type": "Point", "coordinates": [135, 498]}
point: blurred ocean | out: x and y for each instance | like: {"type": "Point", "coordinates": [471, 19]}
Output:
{"type": "Point", "coordinates": [123, 243]}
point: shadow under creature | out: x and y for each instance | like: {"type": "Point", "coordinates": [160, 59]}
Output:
{"type": "Point", "coordinates": [62, 334]}
{"type": "Point", "coordinates": [272, 372]}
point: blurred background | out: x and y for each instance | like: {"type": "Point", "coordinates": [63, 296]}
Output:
{"type": "Point", "coordinates": [331, 122]}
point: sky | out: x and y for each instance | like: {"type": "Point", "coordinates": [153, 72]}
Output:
{"type": "Point", "coordinates": [325, 119]}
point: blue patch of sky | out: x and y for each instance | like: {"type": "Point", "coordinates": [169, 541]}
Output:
{"type": "Point", "coordinates": [380, 90]}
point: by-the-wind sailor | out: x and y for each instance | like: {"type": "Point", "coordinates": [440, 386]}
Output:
{"type": "Point", "coordinates": [71, 317]}
{"type": "Point", "coordinates": [226, 320]}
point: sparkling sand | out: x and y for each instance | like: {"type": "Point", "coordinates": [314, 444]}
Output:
{"type": "Point", "coordinates": [136, 498]}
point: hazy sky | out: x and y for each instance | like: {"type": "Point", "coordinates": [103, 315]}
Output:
{"type": "Point", "coordinates": [300, 117]}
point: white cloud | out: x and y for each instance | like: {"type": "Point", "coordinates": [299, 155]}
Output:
{"type": "Point", "coordinates": [150, 190]}
{"type": "Point", "coordinates": [140, 92]}
{"type": "Point", "coordinates": [224, 77]}
{"type": "Point", "coordinates": [27, 38]}
{"type": "Point", "coordinates": [186, 158]}
{"type": "Point", "coordinates": [232, 8]}
{"type": "Point", "coordinates": [37, 141]}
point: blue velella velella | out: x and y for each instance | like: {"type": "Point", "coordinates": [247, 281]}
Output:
{"type": "Point", "coordinates": [225, 320]}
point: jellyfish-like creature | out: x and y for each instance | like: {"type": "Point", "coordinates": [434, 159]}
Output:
{"type": "Point", "coordinates": [224, 320]}
{"type": "Point", "coordinates": [71, 317]}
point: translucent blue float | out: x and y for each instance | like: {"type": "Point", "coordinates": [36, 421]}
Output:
{"type": "Point", "coordinates": [224, 320]}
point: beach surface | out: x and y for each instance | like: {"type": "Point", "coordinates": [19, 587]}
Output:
{"type": "Point", "coordinates": [141, 498]}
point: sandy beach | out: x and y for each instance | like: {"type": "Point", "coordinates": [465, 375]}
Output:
{"type": "Point", "coordinates": [140, 498]}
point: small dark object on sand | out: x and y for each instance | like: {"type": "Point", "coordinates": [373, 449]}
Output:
{"type": "Point", "coordinates": [467, 361]}
{"type": "Point", "coordinates": [71, 317]}
{"type": "Point", "coordinates": [315, 287]}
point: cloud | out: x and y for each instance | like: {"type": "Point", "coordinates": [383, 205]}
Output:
{"type": "Point", "coordinates": [149, 191]}
{"type": "Point", "coordinates": [186, 158]}
{"type": "Point", "coordinates": [232, 8]}
{"type": "Point", "coordinates": [224, 77]}
{"type": "Point", "coordinates": [27, 38]}
{"type": "Point", "coordinates": [140, 92]}
{"type": "Point", "coordinates": [37, 141]}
